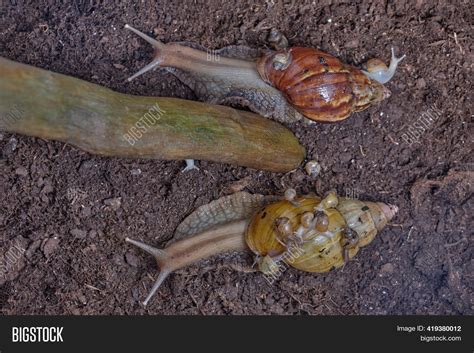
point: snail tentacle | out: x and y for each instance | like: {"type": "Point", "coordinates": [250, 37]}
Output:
{"type": "Point", "coordinates": [161, 257]}
{"type": "Point", "coordinates": [214, 241]}
{"type": "Point", "coordinates": [156, 44]}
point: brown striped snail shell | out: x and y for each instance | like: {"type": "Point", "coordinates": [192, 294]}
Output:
{"type": "Point", "coordinates": [319, 85]}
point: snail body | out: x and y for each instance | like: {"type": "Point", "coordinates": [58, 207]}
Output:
{"type": "Point", "coordinates": [308, 233]}
{"type": "Point", "coordinates": [285, 84]}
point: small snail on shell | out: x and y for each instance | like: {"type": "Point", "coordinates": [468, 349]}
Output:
{"type": "Point", "coordinates": [306, 232]}
{"type": "Point", "coordinates": [285, 84]}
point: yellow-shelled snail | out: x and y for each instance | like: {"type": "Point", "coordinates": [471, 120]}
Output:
{"type": "Point", "coordinates": [307, 232]}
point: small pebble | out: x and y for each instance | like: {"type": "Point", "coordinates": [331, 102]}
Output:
{"type": "Point", "coordinates": [135, 172]}
{"type": "Point", "coordinates": [114, 202]}
{"type": "Point", "coordinates": [86, 212]}
{"type": "Point", "coordinates": [48, 188]}
{"type": "Point", "coordinates": [345, 157]}
{"type": "Point", "coordinates": [21, 171]}
{"type": "Point", "coordinates": [49, 246]}
{"type": "Point", "coordinates": [10, 147]}
{"type": "Point", "coordinates": [352, 44]}
{"type": "Point", "coordinates": [387, 268]}
{"type": "Point", "coordinates": [131, 259]}
{"type": "Point", "coordinates": [420, 83]}
{"type": "Point", "coordinates": [93, 234]}
{"type": "Point", "coordinates": [238, 185]}
{"type": "Point", "coordinates": [85, 166]}
{"type": "Point", "coordinates": [118, 260]}
{"type": "Point", "coordinates": [35, 245]}
{"type": "Point", "coordinates": [78, 233]}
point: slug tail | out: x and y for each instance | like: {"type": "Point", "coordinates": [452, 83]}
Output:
{"type": "Point", "coordinates": [162, 259]}
{"type": "Point", "coordinates": [159, 46]}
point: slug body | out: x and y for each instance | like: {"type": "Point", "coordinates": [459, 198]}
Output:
{"type": "Point", "coordinates": [285, 84]}
{"type": "Point", "coordinates": [308, 233]}
{"type": "Point", "coordinates": [104, 122]}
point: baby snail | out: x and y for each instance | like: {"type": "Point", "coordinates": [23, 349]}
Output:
{"type": "Point", "coordinates": [285, 84]}
{"type": "Point", "coordinates": [312, 168]}
{"type": "Point", "coordinates": [305, 232]}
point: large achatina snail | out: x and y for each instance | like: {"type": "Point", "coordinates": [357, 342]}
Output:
{"type": "Point", "coordinates": [281, 84]}
{"type": "Point", "coordinates": [308, 233]}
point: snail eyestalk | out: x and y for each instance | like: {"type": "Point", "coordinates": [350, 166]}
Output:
{"type": "Point", "coordinates": [226, 238]}
{"type": "Point", "coordinates": [158, 47]}
{"type": "Point", "coordinates": [161, 259]}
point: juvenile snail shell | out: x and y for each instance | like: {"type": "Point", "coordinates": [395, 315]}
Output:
{"type": "Point", "coordinates": [319, 85]}
{"type": "Point", "coordinates": [374, 65]}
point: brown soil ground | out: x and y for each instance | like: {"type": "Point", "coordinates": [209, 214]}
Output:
{"type": "Point", "coordinates": [71, 210]}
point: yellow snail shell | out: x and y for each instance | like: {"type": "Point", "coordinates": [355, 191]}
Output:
{"type": "Point", "coordinates": [312, 250]}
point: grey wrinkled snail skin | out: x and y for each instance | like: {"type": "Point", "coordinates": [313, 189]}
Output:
{"type": "Point", "coordinates": [285, 84]}
{"type": "Point", "coordinates": [320, 234]}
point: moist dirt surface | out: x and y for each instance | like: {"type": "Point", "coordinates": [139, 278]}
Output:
{"type": "Point", "coordinates": [64, 213]}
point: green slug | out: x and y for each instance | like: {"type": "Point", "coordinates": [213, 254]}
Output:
{"type": "Point", "coordinates": [48, 105]}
